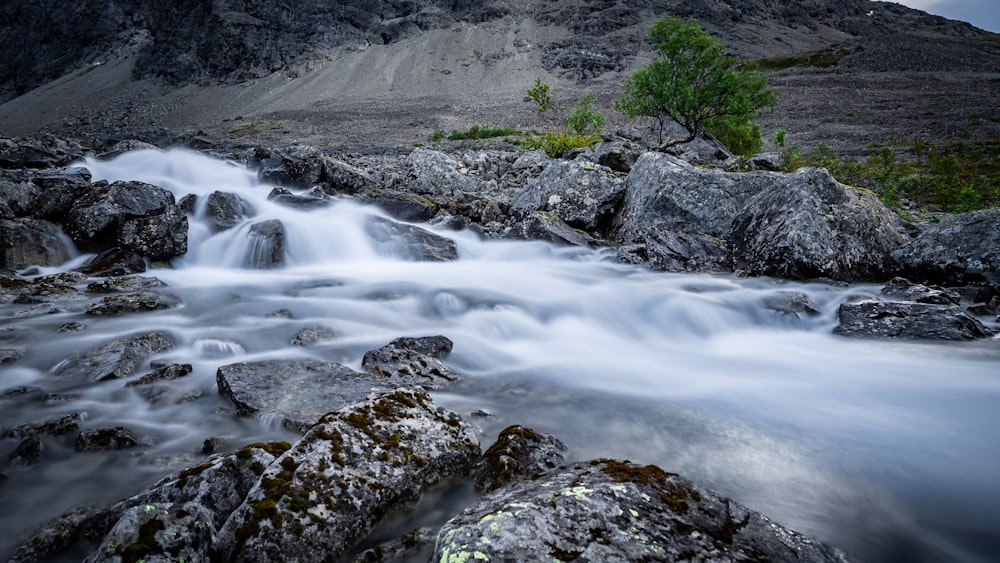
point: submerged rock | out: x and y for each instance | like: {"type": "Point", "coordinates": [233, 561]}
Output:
{"type": "Point", "coordinates": [810, 226]}
{"type": "Point", "coordinates": [116, 438]}
{"type": "Point", "coordinates": [116, 359]}
{"type": "Point", "coordinates": [28, 451]}
{"type": "Point", "coordinates": [313, 335]}
{"type": "Point", "coordinates": [167, 372]}
{"type": "Point", "coordinates": [405, 241]}
{"type": "Point", "coordinates": [52, 427]}
{"type": "Point", "coordinates": [137, 302]}
{"type": "Point", "coordinates": [267, 244]}
{"type": "Point", "coordinates": [616, 511]}
{"type": "Point", "coordinates": [908, 320]}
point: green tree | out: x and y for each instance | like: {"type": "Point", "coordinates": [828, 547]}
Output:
{"type": "Point", "coordinates": [692, 82]}
{"type": "Point", "coordinates": [539, 93]}
{"type": "Point", "coordinates": [583, 119]}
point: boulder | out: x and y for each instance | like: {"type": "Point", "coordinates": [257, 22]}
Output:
{"type": "Point", "coordinates": [158, 532]}
{"type": "Point", "coordinates": [125, 284]}
{"type": "Point", "coordinates": [224, 210]}
{"type": "Point", "coordinates": [346, 473]}
{"type": "Point", "coordinates": [313, 335]}
{"type": "Point", "coordinates": [584, 195]}
{"type": "Point", "coordinates": [404, 206]}
{"type": "Point", "coordinates": [519, 453]}
{"type": "Point", "coordinates": [665, 192]}
{"type": "Point", "coordinates": [901, 289]}
{"type": "Point", "coordinates": [31, 242]}
{"type": "Point", "coordinates": [267, 244]}
{"type": "Point", "coordinates": [56, 536]}
{"type": "Point", "coordinates": [116, 438]}
{"type": "Point", "coordinates": [95, 219]}
{"type": "Point", "coordinates": [811, 226]}
{"type": "Point", "coordinates": [438, 173]}
{"type": "Point", "coordinates": [303, 170]}
{"type": "Point", "coordinates": [59, 189]}
{"type": "Point", "coordinates": [409, 242]}
{"type": "Point", "coordinates": [114, 262]}
{"type": "Point", "coordinates": [52, 427]}
{"type": "Point", "coordinates": [167, 372]}
{"type": "Point", "coordinates": [618, 155]}
{"type": "Point", "coordinates": [609, 510]}
{"type": "Point", "coordinates": [296, 392]}
{"type": "Point", "coordinates": [664, 250]}
{"type": "Point", "coordinates": [548, 227]}
{"type": "Point", "coordinates": [791, 303]}
{"type": "Point", "coordinates": [116, 359]}
{"type": "Point", "coordinates": [908, 320]}
{"type": "Point", "coordinates": [412, 362]}
{"type": "Point", "coordinates": [28, 451]}
{"type": "Point", "coordinates": [961, 249]}
{"type": "Point", "coordinates": [17, 197]}
{"type": "Point", "coordinates": [137, 302]}
{"type": "Point", "coordinates": [342, 178]}
{"type": "Point", "coordinates": [158, 237]}
{"type": "Point", "coordinates": [309, 200]}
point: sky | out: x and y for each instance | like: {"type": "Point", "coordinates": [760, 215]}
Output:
{"type": "Point", "coordinates": [984, 14]}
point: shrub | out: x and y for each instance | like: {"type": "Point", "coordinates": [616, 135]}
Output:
{"type": "Point", "coordinates": [539, 93]}
{"type": "Point", "coordinates": [477, 132]}
{"type": "Point", "coordinates": [556, 143]}
{"type": "Point", "coordinates": [741, 137]}
{"type": "Point", "coordinates": [583, 119]}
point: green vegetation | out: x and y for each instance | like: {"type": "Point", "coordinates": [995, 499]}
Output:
{"type": "Point", "coordinates": [539, 93]}
{"type": "Point", "coordinates": [556, 143]}
{"type": "Point", "coordinates": [693, 83]}
{"type": "Point", "coordinates": [477, 132]}
{"type": "Point", "coordinates": [950, 177]}
{"type": "Point", "coordinates": [822, 58]}
{"type": "Point", "coordinates": [740, 136]}
{"type": "Point", "coordinates": [583, 120]}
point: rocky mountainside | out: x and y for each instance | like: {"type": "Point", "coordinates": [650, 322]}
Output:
{"type": "Point", "coordinates": [399, 69]}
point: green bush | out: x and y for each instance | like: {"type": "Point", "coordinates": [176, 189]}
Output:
{"type": "Point", "coordinates": [741, 137]}
{"type": "Point", "coordinates": [477, 132]}
{"type": "Point", "coordinates": [556, 143]}
{"type": "Point", "coordinates": [539, 93]}
{"type": "Point", "coordinates": [583, 120]}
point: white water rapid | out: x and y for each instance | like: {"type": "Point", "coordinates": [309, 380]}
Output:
{"type": "Point", "coordinates": [888, 450]}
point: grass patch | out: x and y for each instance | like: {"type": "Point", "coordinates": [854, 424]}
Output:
{"type": "Point", "coordinates": [822, 58]}
{"type": "Point", "coordinates": [556, 143]}
{"type": "Point", "coordinates": [477, 132]}
{"type": "Point", "coordinates": [951, 177]}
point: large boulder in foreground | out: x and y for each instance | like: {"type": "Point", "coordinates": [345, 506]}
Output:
{"type": "Point", "coordinates": [811, 226]}
{"type": "Point", "coordinates": [616, 511]}
{"type": "Point", "coordinates": [95, 219]}
{"type": "Point", "coordinates": [961, 249]}
{"type": "Point", "coordinates": [583, 194]}
{"type": "Point", "coordinates": [31, 242]}
{"type": "Point", "coordinates": [909, 320]}
{"type": "Point", "coordinates": [356, 465]}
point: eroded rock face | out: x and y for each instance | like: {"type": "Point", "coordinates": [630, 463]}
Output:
{"type": "Point", "coordinates": [319, 498]}
{"type": "Point", "coordinates": [616, 511]}
{"type": "Point", "coordinates": [908, 320]}
{"type": "Point", "coordinates": [960, 249]}
{"type": "Point", "coordinates": [584, 195]}
{"type": "Point", "coordinates": [30, 242]}
{"type": "Point", "coordinates": [810, 226]}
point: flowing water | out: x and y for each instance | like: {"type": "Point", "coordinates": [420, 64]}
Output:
{"type": "Point", "coordinates": [889, 450]}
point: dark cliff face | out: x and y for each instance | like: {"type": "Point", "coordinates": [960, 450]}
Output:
{"type": "Point", "coordinates": [202, 41]}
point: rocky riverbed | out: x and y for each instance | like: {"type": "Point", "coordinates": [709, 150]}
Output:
{"type": "Point", "coordinates": [277, 354]}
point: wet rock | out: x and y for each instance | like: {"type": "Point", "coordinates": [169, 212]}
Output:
{"type": "Point", "coordinates": [291, 171]}
{"type": "Point", "coordinates": [313, 335]}
{"type": "Point", "coordinates": [158, 532]}
{"type": "Point", "coordinates": [116, 359]}
{"type": "Point", "coordinates": [961, 249]}
{"type": "Point", "coordinates": [224, 210]}
{"type": "Point", "coordinates": [95, 219]}
{"type": "Point", "coordinates": [28, 452]}
{"type": "Point", "coordinates": [519, 453]}
{"type": "Point", "coordinates": [404, 207]}
{"type": "Point", "coordinates": [52, 427]}
{"type": "Point", "coordinates": [125, 284]}
{"type": "Point", "coordinates": [665, 192]}
{"type": "Point", "coordinates": [114, 262]}
{"type": "Point", "coordinates": [404, 241]}
{"type": "Point", "coordinates": [810, 226]}
{"type": "Point", "coordinates": [158, 237]}
{"type": "Point", "coordinates": [17, 197]}
{"type": "Point", "coordinates": [30, 242]}
{"type": "Point", "coordinates": [412, 362]}
{"type": "Point", "coordinates": [908, 320]}
{"type": "Point", "coordinates": [301, 201]}
{"type": "Point", "coordinates": [296, 392]}
{"type": "Point", "coordinates": [137, 302]}
{"type": "Point", "coordinates": [677, 251]}
{"type": "Point", "coordinates": [901, 289]}
{"type": "Point", "coordinates": [405, 548]}
{"type": "Point", "coordinates": [548, 227]}
{"type": "Point", "coordinates": [357, 464]}
{"type": "Point", "coordinates": [56, 536]}
{"type": "Point", "coordinates": [584, 195]}
{"type": "Point", "coordinates": [19, 391]}
{"type": "Point", "coordinates": [10, 355]}
{"type": "Point", "coordinates": [342, 178]}
{"type": "Point", "coordinates": [617, 511]}
{"type": "Point", "coordinates": [71, 326]}
{"type": "Point", "coordinates": [791, 303]}
{"type": "Point", "coordinates": [60, 189]}
{"type": "Point", "coordinates": [168, 372]}
{"type": "Point", "coordinates": [267, 240]}
{"type": "Point", "coordinates": [117, 438]}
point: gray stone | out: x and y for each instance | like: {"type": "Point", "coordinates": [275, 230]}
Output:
{"type": "Point", "coordinates": [168, 372]}
{"type": "Point", "coordinates": [901, 289]}
{"type": "Point", "coordinates": [961, 249]}
{"type": "Point", "coordinates": [159, 237]}
{"type": "Point", "coordinates": [409, 242]}
{"type": "Point", "coordinates": [584, 195]}
{"type": "Point", "coordinates": [116, 359]}
{"type": "Point", "coordinates": [52, 427]}
{"type": "Point", "coordinates": [158, 533]}
{"type": "Point", "coordinates": [30, 242]}
{"type": "Point", "coordinates": [137, 302]}
{"type": "Point", "coordinates": [125, 284]}
{"type": "Point", "coordinates": [95, 219]}
{"type": "Point", "coordinates": [224, 210]}
{"type": "Point", "coordinates": [56, 536]}
{"type": "Point", "coordinates": [116, 438]}
{"type": "Point", "coordinates": [412, 362]}
{"type": "Point", "coordinates": [548, 227]}
{"type": "Point", "coordinates": [114, 262]}
{"type": "Point", "coordinates": [313, 335]}
{"type": "Point", "coordinates": [664, 250]}
{"type": "Point", "coordinates": [28, 451]}
{"type": "Point", "coordinates": [267, 244]}
{"type": "Point", "coordinates": [519, 453]}
{"type": "Point", "coordinates": [909, 321]}
{"type": "Point", "coordinates": [616, 511]}
{"type": "Point", "coordinates": [791, 303]}
{"type": "Point", "coordinates": [810, 226]}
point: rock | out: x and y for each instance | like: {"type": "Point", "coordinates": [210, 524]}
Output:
{"type": "Point", "coordinates": [352, 468]}
{"type": "Point", "coordinates": [17, 197]}
{"type": "Point", "coordinates": [95, 219]}
{"type": "Point", "coordinates": [616, 511]}
{"type": "Point", "coordinates": [116, 359]}
{"type": "Point", "coordinates": [56, 536]}
{"type": "Point", "coordinates": [618, 155]}
{"type": "Point", "coordinates": [114, 262]}
{"type": "Point", "coordinates": [404, 207]}
{"type": "Point", "coordinates": [291, 171]}
{"type": "Point", "coordinates": [301, 201]}
{"type": "Point", "coordinates": [158, 532]}
{"type": "Point", "coordinates": [117, 438]}
{"type": "Point", "coordinates": [770, 161]}
{"type": "Point", "coordinates": [159, 237]}
{"type": "Point", "coordinates": [676, 251]}
{"type": "Point", "coordinates": [908, 320]}
{"type": "Point", "coordinates": [168, 372]}
{"type": "Point", "coordinates": [791, 303]}
{"type": "Point", "coordinates": [412, 362]}
{"type": "Point", "coordinates": [407, 547]}
{"type": "Point", "coordinates": [28, 452]}
{"type": "Point", "coordinates": [267, 240]}
{"type": "Point", "coordinates": [548, 227]}
{"type": "Point", "coordinates": [296, 392]}
{"type": "Point", "coordinates": [342, 178]}
{"type": "Point", "coordinates": [137, 302]}
{"type": "Point", "coordinates": [704, 150]}
{"type": "Point", "coordinates": [30, 242]}
{"type": "Point", "coordinates": [224, 210]}
{"type": "Point", "coordinates": [59, 189]}
{"type": "Point", "coordinates": [519, 453]}
{"type": "Point", "coordinates": [584, 195]}
{"type": "Point", "coordinates": [810, 226]}
{"type": "Point", "coordinates": [404, 241]}
{"type": "Point", "coordinates": [961, 249]}
{"type": "Point", "coordinates": [71, 326]}
{"type": "Point", "coordinates": [52, 427]}
{"type": "Point", "coordinates": [42, 152]}
{"type": "Point", "coordinates": [901, 289]}
{"type": "Point", "coordinates": [10, 355]}
{"type": "Point", "coordinates": [666, 193]}
{"type": "Point", "coordinates": [435, 172]}
{"type": "Point", "coordinates": [313, 335]}
{"type": "Point", "coordinates": [125, 284]}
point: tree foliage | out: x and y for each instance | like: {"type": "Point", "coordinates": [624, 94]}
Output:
{"type": "Point", "coordinates": [583, 119]}
{"type": "Point", "coordinates": [692, 82]}
{"type": "Point", "coordinates": [539, 93]}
